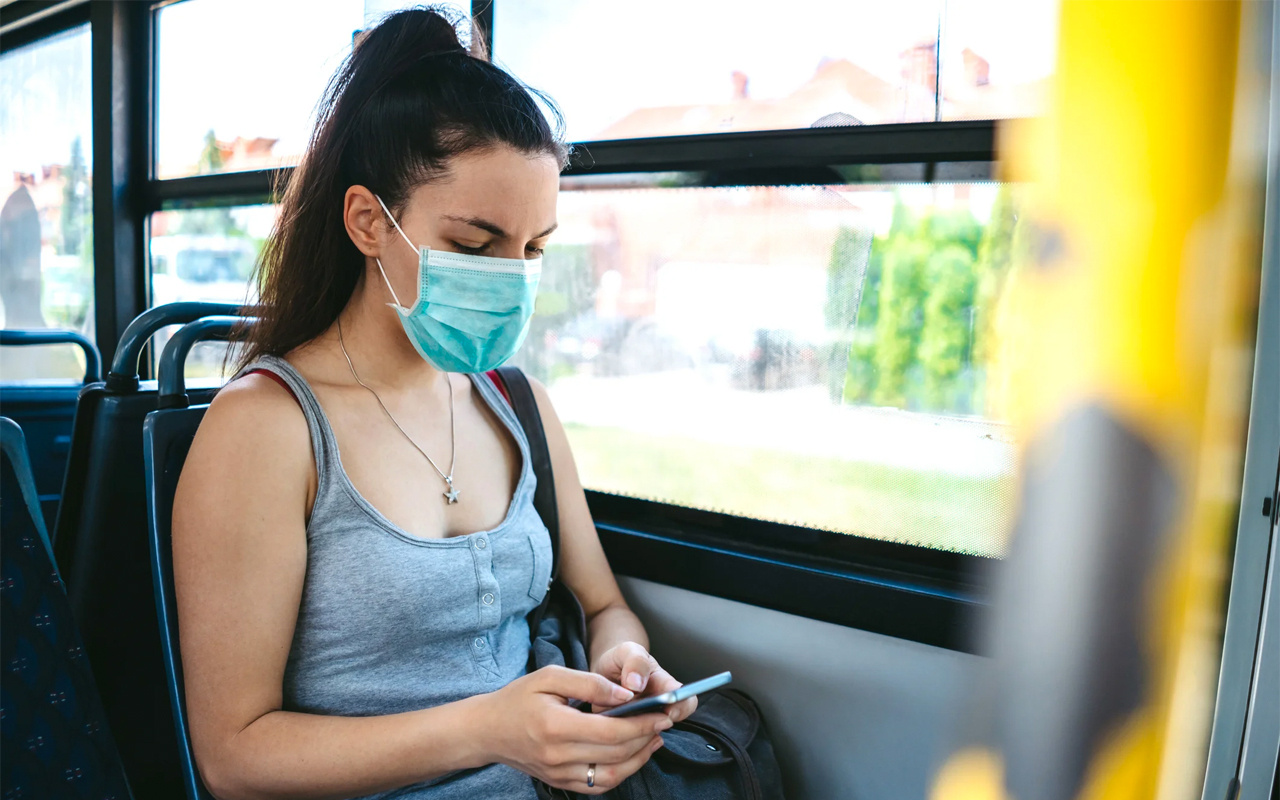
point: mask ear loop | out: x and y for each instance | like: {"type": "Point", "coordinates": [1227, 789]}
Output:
{"type": "Point", "coordinates": [379, 261]}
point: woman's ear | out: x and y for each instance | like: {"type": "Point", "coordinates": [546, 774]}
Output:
{"type": "Point", "coordinates": [362, 216]}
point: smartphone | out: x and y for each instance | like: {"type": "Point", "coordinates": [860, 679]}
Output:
{"type": "Point", "coordinates": [657, 701]}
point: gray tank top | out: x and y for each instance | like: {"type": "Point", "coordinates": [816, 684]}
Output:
{"type": "Point", "coordinates": [390, 622]}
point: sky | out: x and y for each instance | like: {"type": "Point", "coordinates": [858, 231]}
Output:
{"type": "Point", "coordinates": [249, 68]}
{"type": "Point", "coordinates": [258, 67]}
{"type": "Point", "coordinates": [599, 59]}
{"type": "Point", "coordinates": [45, 104]}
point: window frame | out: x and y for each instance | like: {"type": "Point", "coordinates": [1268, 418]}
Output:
{"type": "Point", "coordinates": [25, 22]}
{"type": "Point", "coordinates": [907, 591]}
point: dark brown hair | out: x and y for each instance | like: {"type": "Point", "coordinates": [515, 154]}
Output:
{"type": "Point", "coordinates": [408, 99]}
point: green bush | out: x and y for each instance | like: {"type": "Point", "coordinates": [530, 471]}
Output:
{"type": "Point", "coordinates": [930, 287]}
{"type": "Point", "coordinates": [946, 337]}
{"type": "Point", "coordinates": [902, 287]}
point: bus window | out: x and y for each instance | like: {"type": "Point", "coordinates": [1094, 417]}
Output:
{"type": "Point", "coordinates": [761, 68]}
{"type": "Point", "coordinates": [206, 254]}
{"type": "Point", "coordinates": [821, 356]}
{"type": "Point", "coordinates": [46, 223]}
{"type": "Point", "coordinates": [201, 127]}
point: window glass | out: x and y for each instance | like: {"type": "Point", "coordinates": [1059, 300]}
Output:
{"type": "Point", "coordinates": [670, 67]}
{"type": "Point", "coordinates": [46, 221]}
{"type": "Point", "coordinates": [825, 356]}
{"type": "Point", "coordinates": [665, 67]}
{"type": "Point", "coordinates": [206, 254]}
{"type": "Point", "coordinates": [224, 114]}
{"type": "Point", "coordinates": [997, 58]}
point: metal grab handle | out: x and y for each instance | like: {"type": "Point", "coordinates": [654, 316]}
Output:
{"type": "Point", "coordinates": [31, 336]}
{"type": "Point", "coordinates": [173, 360]}
{"type": "Point", "coordinates": [123, 377]}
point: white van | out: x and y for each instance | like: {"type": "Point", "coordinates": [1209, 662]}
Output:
{"type": "Point", "coordinates": [201, 267]}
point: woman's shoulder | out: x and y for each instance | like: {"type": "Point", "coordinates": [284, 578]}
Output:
{"type": "Point", "coordinates": [258, 393]}
{"type": "Point", "coordinates": [255, 412]}
{"type": "Point", "coordinates": [250, 460]}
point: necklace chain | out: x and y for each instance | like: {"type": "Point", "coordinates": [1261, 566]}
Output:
{"type": "Point", "coordinates": [452, 494]}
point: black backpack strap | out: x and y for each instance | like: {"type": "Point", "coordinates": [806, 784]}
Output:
{"type": "Point", "coordinates": [520, 394]}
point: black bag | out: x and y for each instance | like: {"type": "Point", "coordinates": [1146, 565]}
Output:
{"type": "Point", "coordinates": [721, 752]}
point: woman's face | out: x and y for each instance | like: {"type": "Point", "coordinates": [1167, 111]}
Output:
{"type": "Point", "coordinates": [496, 202]}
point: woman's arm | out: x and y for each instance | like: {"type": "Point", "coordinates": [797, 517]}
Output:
{"type": "Point", "coordinates": [239, 552]}
{"type": "Point", "coordinates": [617, 642]}
{"type": "Point", "coordinates": [239, 557]}
{"type": "Point", "coordinates": [583, 564]}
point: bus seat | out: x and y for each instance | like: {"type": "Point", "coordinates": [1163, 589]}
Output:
{"type": "Point", "coordinates": [45, 411]}
{"type": "Point", "coordinates": [100, 543]}
{"type": "Point", "coordinates": [167, 435]}
{"type": "Point", "coordinates": [54, 737]}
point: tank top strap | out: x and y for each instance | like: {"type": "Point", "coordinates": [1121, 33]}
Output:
{"type": "Point", "coordinates": [495, 397]}
{"type": "Point", "coordinates": [324, 445]}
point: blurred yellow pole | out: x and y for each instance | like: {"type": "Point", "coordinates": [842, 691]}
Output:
{"type": "Point", "coordinates": [1128, 352]}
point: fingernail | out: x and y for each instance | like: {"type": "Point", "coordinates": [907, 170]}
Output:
{"type": "Point", "coordinates": [620, 693]}
{"type": "Point", "coordinates": [662, 725]}
{"type": "Point", "coordinates": [634, 681]}
{"type": "Point", "coordinates": [671, 715]}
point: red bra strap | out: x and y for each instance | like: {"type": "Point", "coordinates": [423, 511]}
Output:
{"type": "Point", "coordinates": [277, 379]}
{"type": "Point", "coordinates": [498, 382]}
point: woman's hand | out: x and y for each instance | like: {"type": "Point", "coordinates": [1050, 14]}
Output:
{"type": "Point", "coordinates": [532, 728]}
{"type": "Point", "coordinates": [629, 665]}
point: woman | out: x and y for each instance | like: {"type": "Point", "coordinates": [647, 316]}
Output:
{"type": "Point", "coordinates": [355, 625]}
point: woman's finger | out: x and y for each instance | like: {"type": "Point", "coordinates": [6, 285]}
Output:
{"type": "Point", "coordinates": [662, 681]}
{"type": "Point", "coordinates": [572, 725]}
{"type": "Point", "coordinates": [629, 664]}
{"type": "Point", "coordinates": [590, 752]}
{"type": "Point", "coordinates": [607, 776]}
{"type": "Point", "coordinates": [637, 666]}
{"type": "Point", "coordinates": [683, 709]}
{"type": "Point", "coordinates": [589, 686]}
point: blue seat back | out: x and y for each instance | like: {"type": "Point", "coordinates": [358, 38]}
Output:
{"type": "Point", "coordinates": [100, 543]}
{"type": "Point", "coordinates": [167, 436]}
{"type": "Point", "coordinates": [55, 740]}
{"type": "Point", "coordinates": [45, 412]}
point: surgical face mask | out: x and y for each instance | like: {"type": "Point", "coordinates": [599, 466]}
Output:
{"type": "Point", "coordinates": [472, 312]}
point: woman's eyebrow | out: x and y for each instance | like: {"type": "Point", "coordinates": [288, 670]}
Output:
{"type": "Point", "coordinates": [486, 225]}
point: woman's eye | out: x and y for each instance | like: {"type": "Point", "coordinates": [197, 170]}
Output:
{"type": "Point", "coordinates": [462, 248]}
{"type": "Point", "coordinates": [536, 251]}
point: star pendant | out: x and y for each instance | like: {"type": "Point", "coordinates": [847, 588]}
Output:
{"type": "Point", "coordinates": [452, 494]}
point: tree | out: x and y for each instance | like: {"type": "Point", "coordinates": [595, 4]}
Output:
{"type": "Point", "coordinates": [208, 221]}
{"type": "Point", "coordinates": [913, 341]}
{"type": "Point", "coordinates": [900, 319]}
{"type": "Point", "coordinates": [1001, 356]}
{"type": "Point", "coordinates": [846, 277]}
{"type": "Point", "coordinates": [846, 289]}
{"type": "Point", "coordinates": [868, 350]}
{"type": "Point", "coordinates": [566, 292]}
{"type": "Point", "coordinates": [954, 226]}
{"type": "Point", "coordinates": [995, 256]}
{"type": "Point", "coordinates": [211, 159]}
{"type": "Point", "coordinates": [945, 338]}
{"type": "Point", "coordinates": [75, 217]}
{"type": "Point", "coordinates": [859, 375]}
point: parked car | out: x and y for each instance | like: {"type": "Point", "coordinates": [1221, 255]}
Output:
{"type": "Point", "coordinates": [201, 267]}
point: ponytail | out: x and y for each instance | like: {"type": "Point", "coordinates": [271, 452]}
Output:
{"type": "Point", "coordinates": [409, 98]}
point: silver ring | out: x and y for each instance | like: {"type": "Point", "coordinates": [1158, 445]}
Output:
{"type": "Point", "coordinates": [591, 776]}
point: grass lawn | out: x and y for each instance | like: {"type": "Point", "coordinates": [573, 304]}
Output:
{"type": "Point", "coordinates": [934, 509]}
